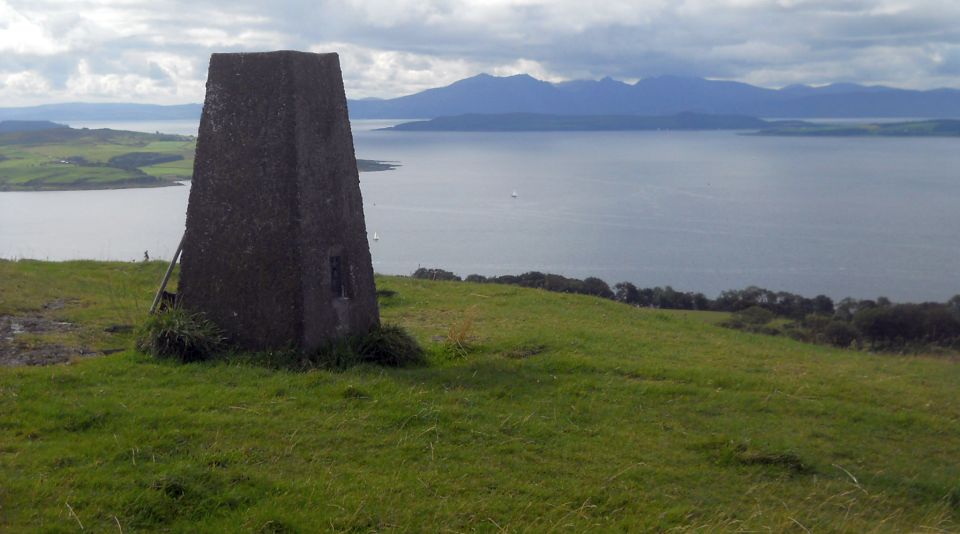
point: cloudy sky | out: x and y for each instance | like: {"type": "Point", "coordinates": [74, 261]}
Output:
{"type": "Point", "coordinates": [157, 51]}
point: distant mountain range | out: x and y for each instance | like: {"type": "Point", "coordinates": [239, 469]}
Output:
{"type": "Point", "coordinates": [663, 95]}
{"type": "Point", "coordinates": [102, 112]}
{"type": "Point", "coordinates": [28, 126]}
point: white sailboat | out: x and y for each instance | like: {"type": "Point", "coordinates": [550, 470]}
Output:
{"type": "Point", "coordinates": [514, 194]}
{"type": "Point", "coordinates": [376, 237]}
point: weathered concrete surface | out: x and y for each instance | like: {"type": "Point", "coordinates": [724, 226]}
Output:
{"type": "Point", "coordinates": [275, 200]}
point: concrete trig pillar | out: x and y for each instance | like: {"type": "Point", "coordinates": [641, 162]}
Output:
{"type": "Point", "coordinates": [275, 250]}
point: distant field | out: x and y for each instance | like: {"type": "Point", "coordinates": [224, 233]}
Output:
{"type": "Point", "coordinates": [926, 128]}
{"type": "Point", "coordinates": [567, 413]}
{"type": "Point", "coordinates": [85, 159]}
{"type": "Point", "coordinates": [65, 159]}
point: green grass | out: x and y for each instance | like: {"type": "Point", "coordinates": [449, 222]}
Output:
{"type": "Point", "coordinates": [54, 176]}
{"type": "Point", "coordinates": [180, 170]}
{"type": "Point", "coordinates": [566, 413]}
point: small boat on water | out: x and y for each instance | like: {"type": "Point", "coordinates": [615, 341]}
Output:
{"type": "Point", "coordinates": [376, 237]}
{"type": "Point", "coordinates": [514, 194]}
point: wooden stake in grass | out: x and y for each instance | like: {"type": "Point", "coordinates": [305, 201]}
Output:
{"type": "Point", "coordinates": [166, 277]}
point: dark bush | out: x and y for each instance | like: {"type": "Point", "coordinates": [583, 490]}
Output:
{"type": "Point", "coordinates": [839, 334]}
{"type": "Point", "coordinates": [627, 293]}
{"type": "Point", "coordinates": [768, 330]}
{"type": "Point", "coordinates": [596, 287]}
{"type": "Point", "coordinates": [903, 324]}
{"type": "Point", "coordinates": [386, 345]}
{"type": "Point", "coordinates": [177, 334]}
{"type": "Point", "coordinates": [816, 322]}
{"type": "Point", "coordinates": [794, 331]}
{"type": "Point", "coordinates": [954, 305]}
{"type": "Point", "coordinates": [940, 324]}
{"type": "Point", "coordinates": [894, 325]}
{"type": "Point", "coordinates": [389, 345]}
{"type": "Point", "coordinates": [435, 274]}
{"type": "Point", "coordinates": [755, 315]}
{"type": "Point", "coordinates": [822, 304]}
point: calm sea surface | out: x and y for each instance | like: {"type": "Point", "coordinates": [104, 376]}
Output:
{"type": "Point", "coordinates": [702, 211]}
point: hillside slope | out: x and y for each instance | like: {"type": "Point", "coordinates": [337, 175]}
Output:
{"type": "Point", "coordinates": [568, 412]}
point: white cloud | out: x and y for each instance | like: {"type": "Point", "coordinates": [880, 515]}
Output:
{"type": "Point", "coordinates": [116, 87]}
{"type": "Point", "coordinates": [526, 66]}
{"type": "Point", "coordinates": [366, 71]}
{"type": "Point", "coordinates": [26, 86]}
{"type": "Point", "coordinates": [157, 51]}
{"type": "Point", "coordinates": [221, 37]}
{"type": "Point", "coordinates": [20, 34]}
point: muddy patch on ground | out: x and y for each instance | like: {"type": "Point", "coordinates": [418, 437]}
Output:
{"type": "Point", "coordinates": [16, 349]}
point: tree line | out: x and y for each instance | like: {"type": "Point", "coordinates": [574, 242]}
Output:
{"type": "Point", "coordinates": [872, 324]}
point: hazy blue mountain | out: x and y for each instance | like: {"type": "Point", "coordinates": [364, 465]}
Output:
{"type": "Point", "coordinates": [538, 122]}
{"type": "Point", "coordinates": [673, 94]}
{"type": "Point", "coordinates": [28, 126]}
{"type": "Point", "coordinates": [662, 95]}
{"type": "Point", "coordinates": [938, 103]}
{"type": "Point", "coordinates": [479, 94]}
{"type": "Point", "coordinates": [102, 112]}
{"type": "Point", "coordinates": [604, 96]}
{"type": "Point", "coordinates": [833, 88]}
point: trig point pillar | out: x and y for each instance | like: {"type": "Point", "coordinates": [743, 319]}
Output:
{"type": "Point", "coordinates": [275, 251]}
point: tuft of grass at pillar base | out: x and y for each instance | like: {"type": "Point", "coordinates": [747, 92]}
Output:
{"type": "Point", "coordinates": [565, 413]}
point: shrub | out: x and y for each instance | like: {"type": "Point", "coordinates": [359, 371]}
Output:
{"type": "Point", "coordinates": [180, 335]}
{"type": "Point", "coordinates": [597, 287]}
{"type": "Point", "coordinates": [817, 322]}
{"type": "Point", "coordinates": [891, 326]}
{"type": "Point", "coordinates": [387, 345]}
{"type": "Point", "coordinates": [940, 324]}
{"type": "Point", "coordinates": [840, 333]}
{"type": "Point", "coordinates": [755, 315]}
{"type": "Point", "coordinates": [435, 274]}
{"type": "Point", "coordinates": [902, 324]}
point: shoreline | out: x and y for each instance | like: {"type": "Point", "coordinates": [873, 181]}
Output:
{"type": "Point", "coordinates": [363, 165]}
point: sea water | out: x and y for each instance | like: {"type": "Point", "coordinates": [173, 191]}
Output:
{"type": "Point", "coordinates": [700, 211]}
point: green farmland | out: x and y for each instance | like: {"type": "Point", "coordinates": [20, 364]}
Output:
{"type": "Point", "coordinates": [67, 158]}
{"type": "Point", "coordinates": [57, 159]}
